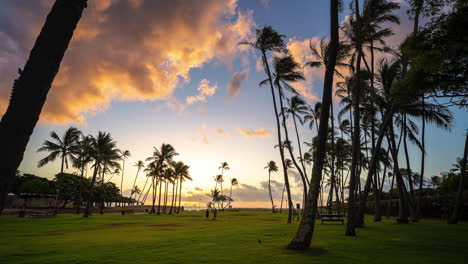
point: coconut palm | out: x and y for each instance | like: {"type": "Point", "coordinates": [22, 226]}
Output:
{"type": "Point", "coordinates": [64, 148]}
{"type": "Point", "coordinates": [224, 166]}
{"type": "Point", "coordinates": [271, 166]}
{"type": "Point", "coordinates": [268, 40]}
{"type": "Point", "coordinates": [103, 151]}
{"type": "Point", "coordinates": [287, 71]}
{"type": "Point", "coordinates": [140, 165]}
{"type": "Point", "coordinates": [234, 182]}
{"type": "Point", "coordinates": [179, 169]}
{"type": "Point", "coordinates": [124, 156]}
{"type": "Point", "coordinates": [304, 234]}
{"type": "Point", "coordinates": [183, 176]}
{"type": "Point", "coordinates": [30, 89]}
{"type": "Point", "coordinates": [297, 108]}
{"type": "Point", "coordinates": [161, 157]}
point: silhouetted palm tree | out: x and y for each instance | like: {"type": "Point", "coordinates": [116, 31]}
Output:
{"type": "Point", "coordinates": [234, 182]}
{"type": "Point", "coordinates": [224, 166]}
{"type": "Point", "coordinates": [268, 40]}
{"type": "Point", "coordinates": [30, 90]}
{"type": "Point", "coordinates": [183, 176]}
{"type": "Point", "coordinates": [103, 151]}
{"type": "Point", "coordinates": [271, 166]}
{"type": "Point", "coordinates": [140, 165]}
{"type": "Point", "coordinates": [124, 156]}
{"type": "Point", "coordinates": [65, 148]}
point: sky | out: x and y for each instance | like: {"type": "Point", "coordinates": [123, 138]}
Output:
{"type": "Point", "coordinates": [153, 72]}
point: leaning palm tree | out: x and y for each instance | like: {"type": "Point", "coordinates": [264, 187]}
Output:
{"type": "Point", "coordinates": [286, 72]}
{"type": "Point", "coordinates": [103, 151]}
{"type": "Point", "coordinates": [66, 147]}
{"type": "Point", "coordinates": [304, 234]}
{"type": "Point", "coordinates": [140, 165]}
{"type": "Point", "coordinates": [30, 89]}
{"type": "Point", "coordinates": [271, 166]}
{"type": "Point", "coordinates": [268, 40]}
{"type": "Point", "coordinates": [124, 156]}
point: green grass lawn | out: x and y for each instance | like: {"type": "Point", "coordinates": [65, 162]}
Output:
{"type": "Point", "coordinates": [236, 237]}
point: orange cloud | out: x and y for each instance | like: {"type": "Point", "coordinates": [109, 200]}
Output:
{"type": "Point", "coordinates": [204, 90]}
{"type": "Point", "coordinates": [249, 133]}
{"type": "Point", "coordinates": [124, 50]}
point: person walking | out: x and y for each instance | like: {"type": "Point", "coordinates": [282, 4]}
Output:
{"type": "Point", "coordinates": [215, 213]}
{"type": "Point", "coordinates": [207, 213]}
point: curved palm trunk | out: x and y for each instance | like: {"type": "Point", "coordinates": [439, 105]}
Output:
{"type": "Point", "coordinates": [269, 192]}
{"type": "Point", "coordinates": [155, 187]}
{"type": "Point", "coordinates": [286, 133]}
{"type": "Point", "coordinates": [134, 182]}
{"type": "Point", "coordinates": [459, 201]}
{"type": "Point", "coordinates": [176, 195]}
{"type": "Point", "coordinates": [278, 129]}
{"type": "Point", "coordinates": [408, 165]}
{"type": "Point", "coordinates": [333, 179]}
{"type": "Point", "coordinates": [304, 234]}
{"type": "Point", "coordinates": [30, 89]}
{"type": "Point", "coordinates": [121, 180]}
{"type": "Point", "coordinates": [282, 199]}
{"type": "Point", "coordinates": [300, 149]}
{"type": "Point", "coordinates": [142, 190]}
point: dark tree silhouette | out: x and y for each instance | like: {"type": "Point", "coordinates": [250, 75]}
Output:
{"type": "Point", "coordinates": [30, 89]}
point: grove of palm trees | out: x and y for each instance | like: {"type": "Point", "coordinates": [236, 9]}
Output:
{"type": "Point", "coordinates": [362, 159]}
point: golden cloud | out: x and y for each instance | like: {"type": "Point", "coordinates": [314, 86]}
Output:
{"type": "Point", "coordinates": [124, 50]}
{"type": "Point", "coordinates": [249, 133]}
{"type": "Point", "coordinates": [204, 90]}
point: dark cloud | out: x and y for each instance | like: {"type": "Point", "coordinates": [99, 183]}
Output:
{"type": "Point", "coordinates": [235, 83]}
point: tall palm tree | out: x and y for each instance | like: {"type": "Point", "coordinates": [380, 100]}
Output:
{"type": "Point", "coordinates": [271, 166]}
{"type": "Point", "coordinates": [140, 165]}
{"type": "Point", "coordinates": [103, 151]}
{"type": "Point", "coordinates": [305, 231]}
{"type": "Point", "coordinates": [234, 182]}
{"type": "Point", "coordinates": [461, 186]}
{"type": "Point", "coordinates": [124, 156]}
{"type": "Point", "coordinates": [66, 147]}
{"type": "Point", "coordinates": [268, 40]}
{"type": "Point", "coordinates": [224, 166]}
{"type": "Point", "coordinates": [179, 169]}
{"type": "Point", "coordinates": [30, 89]}
{"type": "Point", "coordinates": [183, 176]}
{"type": "Point", "coordinates": [160, 157]}
{"type": "Point", "coordinates": [81, 161]}
{"type": "Point", "coordinates": [286, 71]}
{"type": "Point", "coordinates": [297, 108]}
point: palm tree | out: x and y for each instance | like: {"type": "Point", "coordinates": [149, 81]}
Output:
{"type": "Point", "coordinates": [234, 182]}
{"type": "Point", "coordinates": [66, 147]}
{"type": "Point", "coordinates": [297, 108]}
{"type": "Point", "coordinates": [160, 157]}
{"type": "Point", "coordinates": [125, 155]}
{"type": "Point", "coordinates": [81, 160]}
{"type": "Point", "coordinates": [286, 70]}
{"type": "Point", "coordinates": [271, 166]}
{"type": "Point", "coordinates": [30, 90]}
{"type": "Point", "coordinates": [179, 169]}
{"type": "Point", "coordinates": [268, 40]}
{"type": "Point", "coordinates": [103, 151]}
{"type": "Point", "coordinates": [183, 176]}
{"type": "Point", "coordinates": [140, 165]}
{"type": "Point", "coordinates": [224, 166]}
{"type": "Point", "coordinates": [304, 234]}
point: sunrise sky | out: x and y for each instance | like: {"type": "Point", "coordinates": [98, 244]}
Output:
{"type": "Point", "coordinates": [153, 72]}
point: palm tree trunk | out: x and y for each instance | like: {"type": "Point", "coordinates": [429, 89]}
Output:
{"type": "Point", "coordinates": [180, 194]}
{"type": "Point", "coordinates": [63, 162]}
{"type": "Point", "coordinates": [176, 195]}
{"type": "Point", "coordinates": [333, 180]}
{"type": "Point", "coordinates": [304, 234]}
{"type": "Point", "coordinates": [134, 182]}
{"type": "Point", "coordinates": [423, 157]}
{"type": "Point", "coordinates": [269, 192]}
{"type": "Point", "coordinates": [142, 190]}
{"type": "Point", "coordinates": [408, 165]}
{"type": "Point", "coordinates": [461, 185]}
{"type": "Point", "coordinates": [121, 180]}
{"type": "Point", "coordinates": [30, 89]}
{"type": "Point", "coordinates": [278, 129]}
{"type": "Point", "coordinates": [155, 187]}
{"type": "Point", "coordinates": [350, 227]}
{"type": "Point", "coordinates": [282, 199]}
{"type": "Point", "coordinates": [159, 201]}
{"type": "Point", "coordinates": [172, 201]}
{"type": "Point", "coordinates": [91, 187]}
